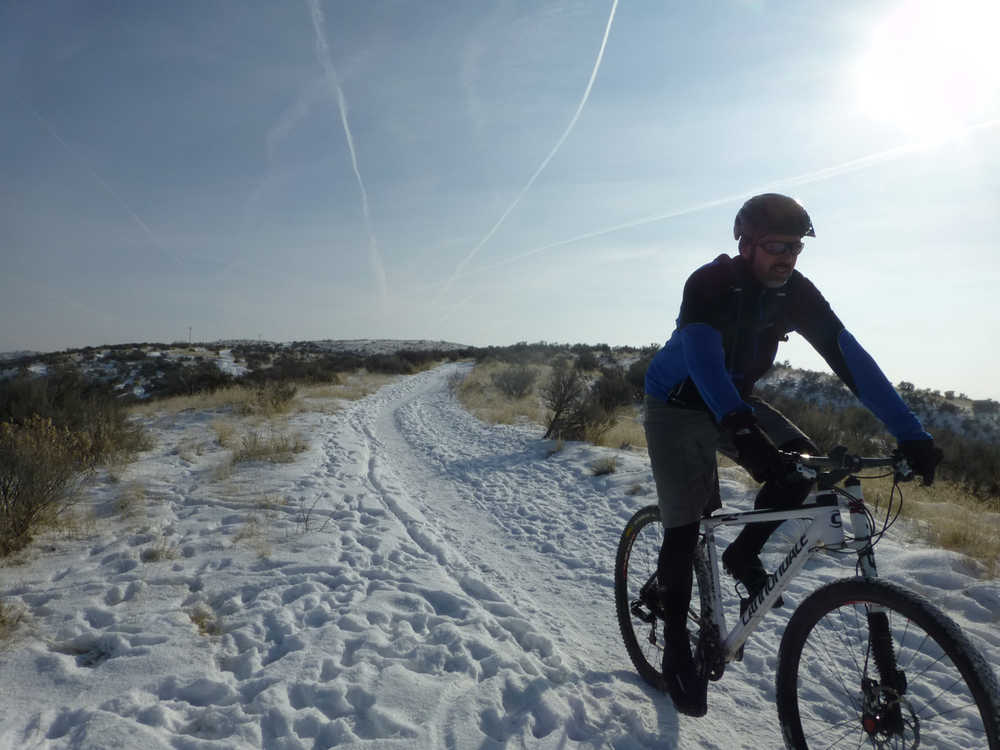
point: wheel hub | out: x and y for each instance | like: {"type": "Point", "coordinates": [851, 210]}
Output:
{"type": "Point", "coordinates": [887, 717]}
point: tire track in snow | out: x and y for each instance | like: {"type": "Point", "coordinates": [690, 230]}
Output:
{"type": "Point", "coordinates": [464, 491]}
{"type": "Point", "coordinates": [540, 533]}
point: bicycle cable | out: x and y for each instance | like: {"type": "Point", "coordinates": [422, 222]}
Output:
{"type": "Point", "coordinates": [887, 523]}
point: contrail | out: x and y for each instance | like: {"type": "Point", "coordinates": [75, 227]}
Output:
{"type": "Point", "coordinates": [323, 52]}
{"type": "Point", "coordinates": [819, 175]}
{"type": "Point", "coordinates": [97, 178]}
{"type": "Point", "coordinates": [545, 162]}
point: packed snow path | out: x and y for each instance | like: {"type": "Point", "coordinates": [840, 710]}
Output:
{"type": "Point", "coordinates": [418, 579]}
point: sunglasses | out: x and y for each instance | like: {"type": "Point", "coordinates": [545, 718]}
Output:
{"type": "Point", "coordinates": [774, 247]}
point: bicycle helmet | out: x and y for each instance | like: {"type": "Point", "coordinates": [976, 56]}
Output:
{"type": "Point", "coordinates": [772, 212]}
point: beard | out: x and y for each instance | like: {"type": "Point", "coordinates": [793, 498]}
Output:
{"type": "Point", "coordinates": [778, 274]}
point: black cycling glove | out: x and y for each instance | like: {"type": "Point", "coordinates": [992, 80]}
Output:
{"type": "Point", "coordinates": [756, 453]}
{"type": "Point", "coordinates": [923, 457]}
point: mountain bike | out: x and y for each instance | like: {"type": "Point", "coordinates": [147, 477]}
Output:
{"type": "Point", "coordinates": [863, 662]}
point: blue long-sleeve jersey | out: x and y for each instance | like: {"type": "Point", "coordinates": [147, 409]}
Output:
{"type": "Point", "coordinates": [727, 337]}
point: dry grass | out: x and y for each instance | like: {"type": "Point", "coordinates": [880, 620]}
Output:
{"type": "Point", "coordinates": [604, 466]}
{"type": "Point", "coordinates": [189, 449]}
{"type": "Point", "coordinates": [278, 447]}
{"type": "Point", "coordinates": [11, 617]}
{"type": "Point", "coordinates": [480, 396]}
{"type": "Point", "coordinates": [268, 399]}
{"type": "Point", "coordinates": [225, 432]}
{"type": "Point", "coordinates": [207, 620]}
{"type": "Point", "coordinates": [254, 533]}
{"type": "Point", "coordinates": [947, 517]}
{"type": "Point", "coordinates": [131, 501]}
{"type": "Point", "coordinates": [270, 504]}
{"type": "Point", "coordinates": [223, 398]}
{"type": "Point", "coordinates": [353, 387]}
{"type": "Point", "coordinates": [76, 523]}
{"type": "Point", "coordinates": [554, 446]}
{"type": "Point", "coordinates": [160, 551]}
{"type": "Point", "coordinates": [627, 432]}
{"type": "Point", "coordinates": [272, 398]}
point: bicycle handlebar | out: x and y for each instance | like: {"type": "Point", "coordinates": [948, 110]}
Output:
{"type": "Point", "coordinates": [840, 461]}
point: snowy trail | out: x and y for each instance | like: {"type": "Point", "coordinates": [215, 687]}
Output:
{"type": "Point", "coordinates": [416, 579]}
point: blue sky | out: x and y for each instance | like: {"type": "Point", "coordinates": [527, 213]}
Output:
{"type": "Point", "coordinates": [166, 165]}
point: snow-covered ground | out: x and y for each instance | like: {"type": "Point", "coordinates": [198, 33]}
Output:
{"type": "Point", "coordinates": [416, 579]}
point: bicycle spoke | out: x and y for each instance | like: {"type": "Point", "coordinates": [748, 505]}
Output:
{"type": "Point", "coordinates": [840, 738]}
{"type": "Point", "coordinates": [927, 710]}
{"type": "Point", "coordinates": [942, 692]}
{"type": "Point", "coordinates": [847, 692]}
{"type": "Point", "coordinates": [835, 631]}
{"type": "Point", "coordinates": [963, 707]}
{"type": "Point", "coordinates": [928, 667]}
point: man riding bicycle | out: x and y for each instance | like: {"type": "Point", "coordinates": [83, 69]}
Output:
{"type": "Point", "coordinates": [699, 400]}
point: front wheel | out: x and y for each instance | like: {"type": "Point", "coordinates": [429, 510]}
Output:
{"type": "Point", "coordinates": [870, 664]}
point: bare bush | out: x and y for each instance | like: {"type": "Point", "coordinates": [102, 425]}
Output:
{"type": "Point", "coordinates": [586, 360]}
{"type": "Point", "coordinates": [88, 409]}
{"type": "Point", "coordinates": [564, 390]}
{"type": "Point", "coordinates": [588, 420]}
{"type": "Point", "coordinates": [516, 381]}
{"type": "Point", "coordinates": [39, 463]}
{"type": "Point", "coordinates": [576, 413]}
{"type": "Point", "coordinates": [636, 375]}
{"type": "Point", "coordinates": [612, 389]}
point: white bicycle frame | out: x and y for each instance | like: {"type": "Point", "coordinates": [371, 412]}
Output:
{"type": "Point", "coordinates": [825, 509]}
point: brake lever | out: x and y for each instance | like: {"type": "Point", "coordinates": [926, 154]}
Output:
{"type": "Point", "coordinates": [797, 470]}
{"type": "Point", "coordinates": [805, 472]}
{"type": "Point", "coordinates": [901, 469]}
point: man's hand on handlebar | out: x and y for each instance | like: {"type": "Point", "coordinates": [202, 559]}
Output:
{"type": "Point", "coordinates": [923, 457]}
{"type": "Point", "coordinates": [757, 454]}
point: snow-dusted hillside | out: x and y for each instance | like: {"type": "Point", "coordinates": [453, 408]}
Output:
{"type": "Point", "coordinates": [416, 579]}
{"type": "Point", "coordinates": [144, 370]}
{"type": "Point", "coordinates": [978, 420]}
{"type": "Point", "coordinates": [141, 371]}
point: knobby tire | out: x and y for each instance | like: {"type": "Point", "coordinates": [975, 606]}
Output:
{"type": "Point", "coordinates": [828, 672]}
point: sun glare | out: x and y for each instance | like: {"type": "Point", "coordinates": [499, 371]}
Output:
{"type": "Point", "coordinates": [932, 67]}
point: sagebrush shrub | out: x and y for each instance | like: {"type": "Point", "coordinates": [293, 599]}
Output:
{"type": "Point", "coordinates": [39, 463]}
{"type": "Point", "coordinates": [516, 381]}
{"type": "Point", "coordinates": [586, 360]}
{"type": "Point", "coordinates": [86, 408]}
{"type": "Point", "coordinates": [576, 410]}
{"type": "Point", "coordinates": [612, 389]}
{"type": "Point", "coordinates": [564, 389]}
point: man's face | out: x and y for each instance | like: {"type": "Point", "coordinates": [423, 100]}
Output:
{"type": "Point", "coordinates": [771, 270]}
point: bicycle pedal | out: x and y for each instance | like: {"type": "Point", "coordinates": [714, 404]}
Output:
{"type": "Point", "coordinates": [639, 612]}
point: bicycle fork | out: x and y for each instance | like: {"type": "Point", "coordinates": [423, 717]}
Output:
{"type": "Point", "coordinates": [882, 712]}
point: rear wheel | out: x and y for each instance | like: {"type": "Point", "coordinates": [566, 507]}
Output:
{"type": "Point", "coordinates": [871, 664]}
{"type": "Point", "coordinates": [637, 605]}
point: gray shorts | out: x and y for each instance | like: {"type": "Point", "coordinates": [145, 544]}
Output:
{"type": "Point", "coordinates": [682, 447]}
